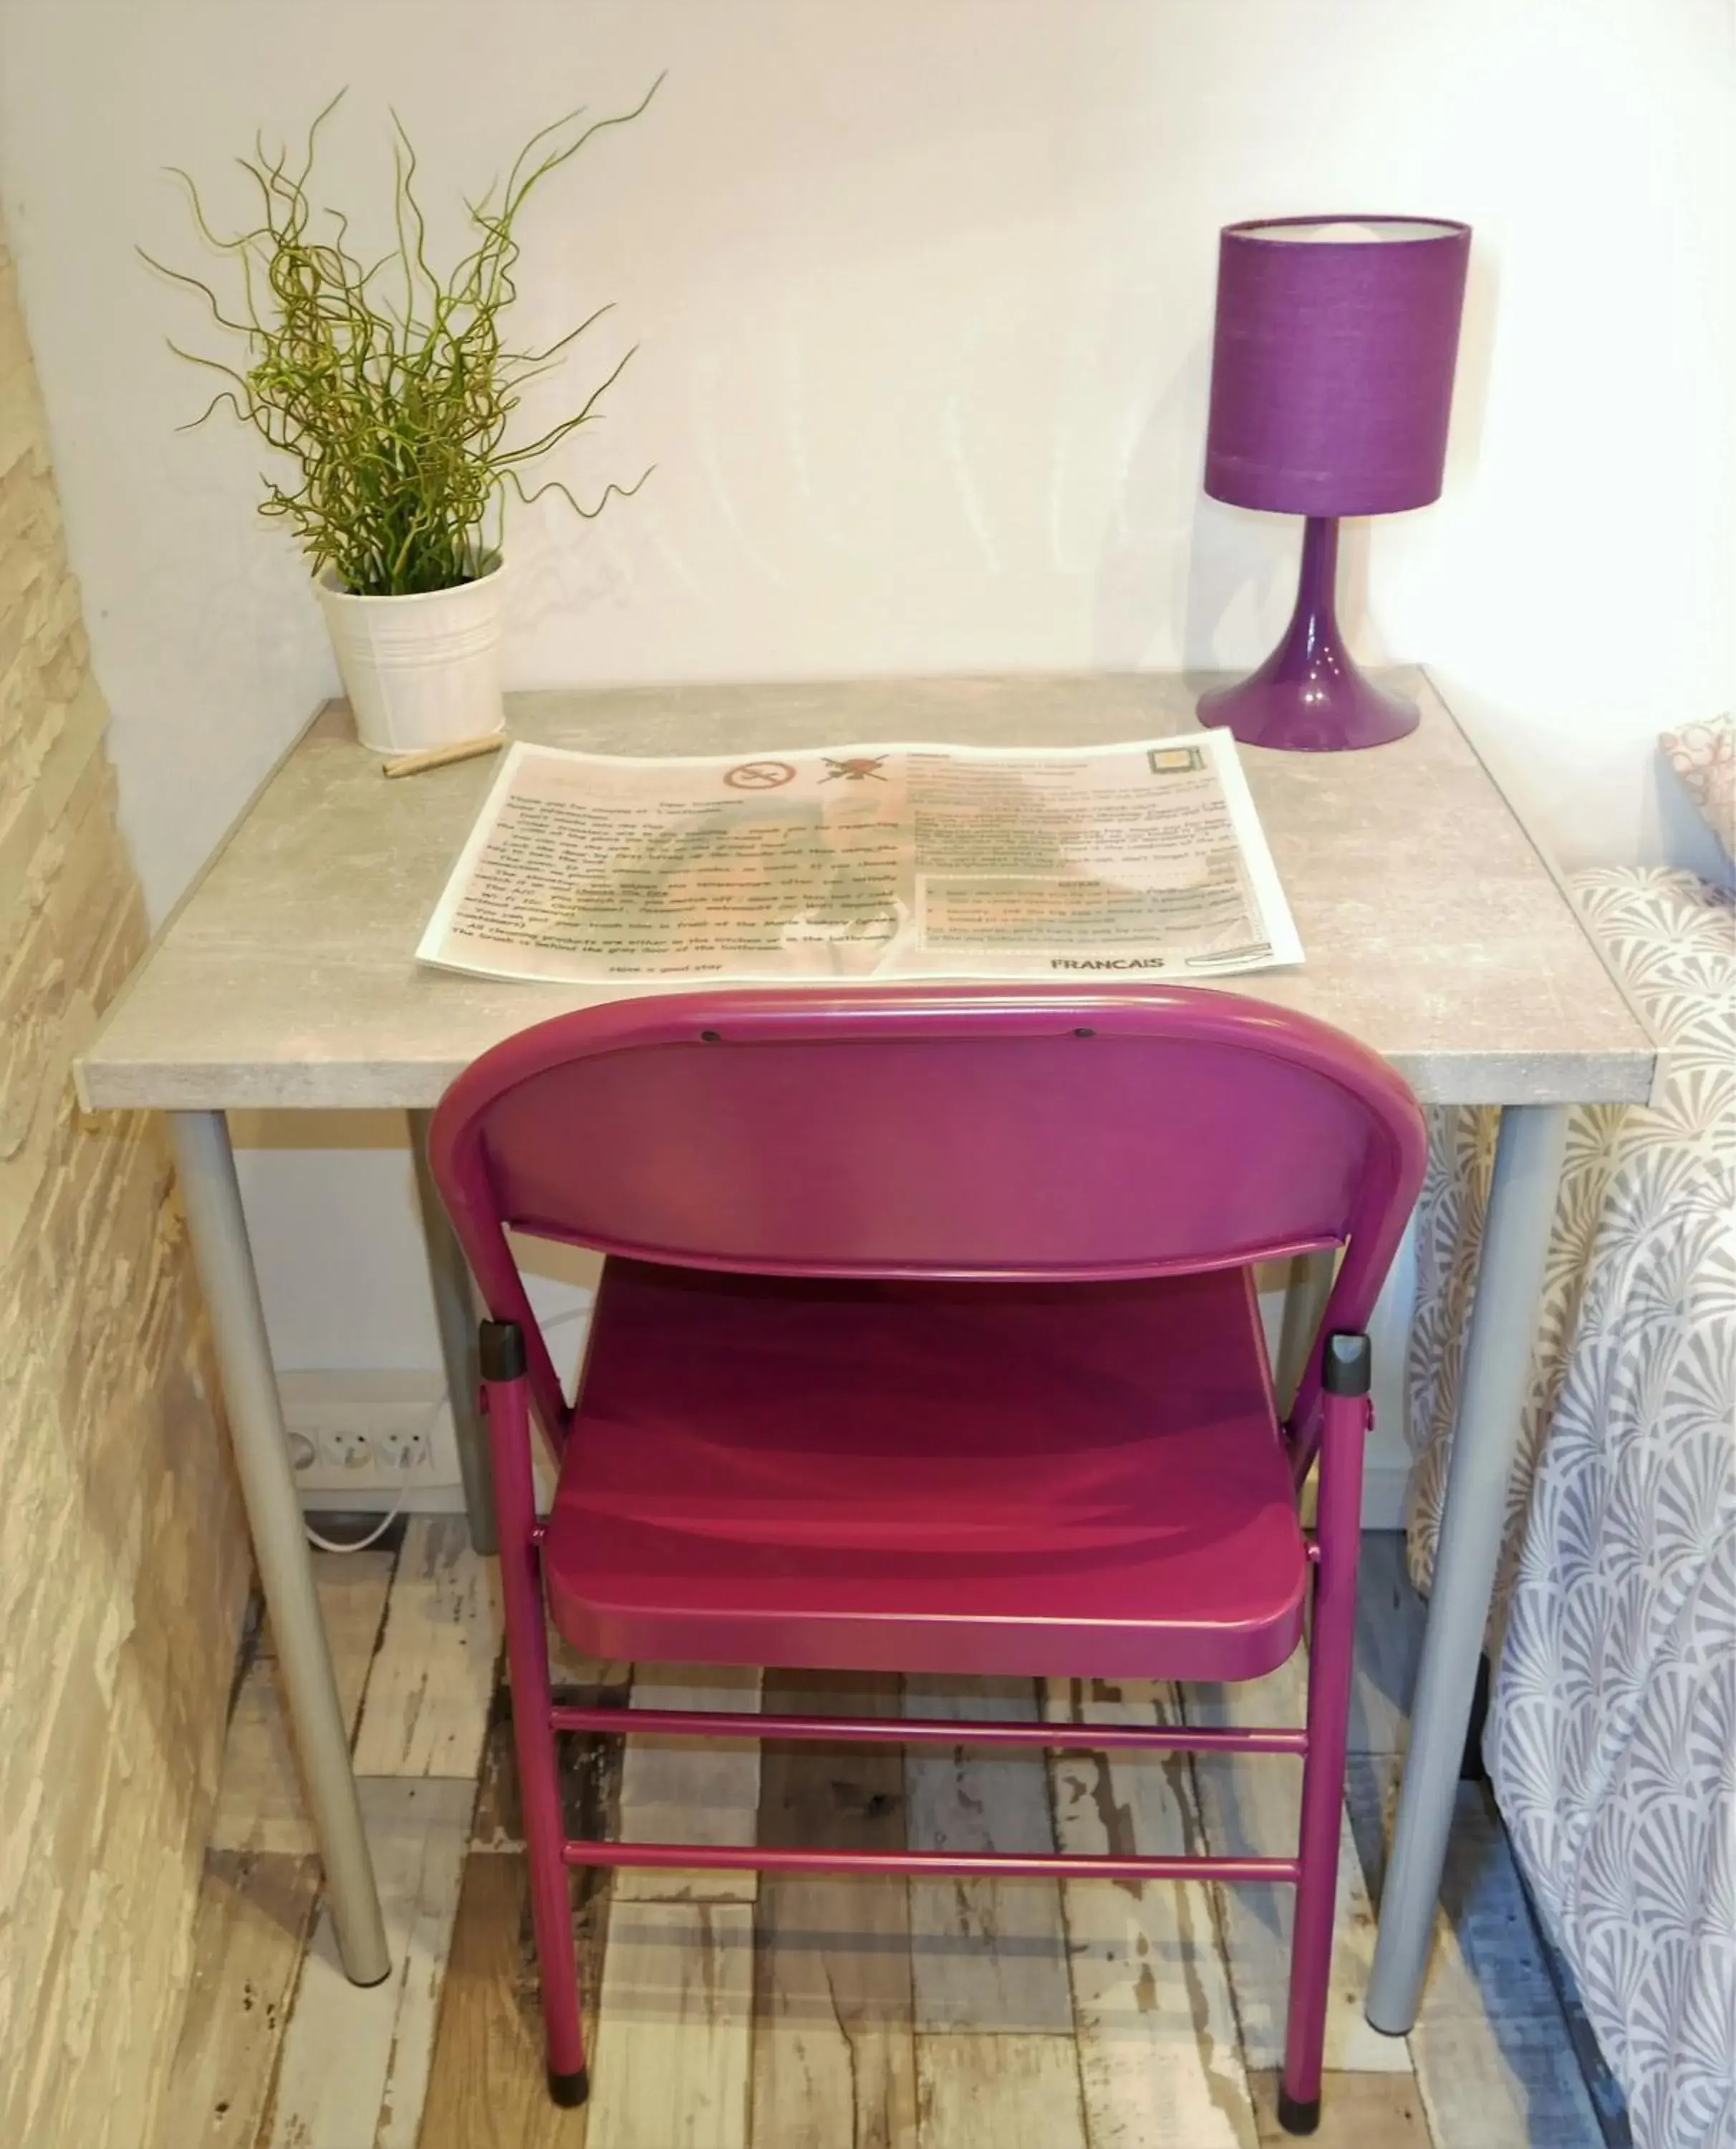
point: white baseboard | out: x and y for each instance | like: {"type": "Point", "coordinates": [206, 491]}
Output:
{"type": "Point", "coordinates": [1383, 1494]}
{"type": "Point", "coordinates": [372, 1500]}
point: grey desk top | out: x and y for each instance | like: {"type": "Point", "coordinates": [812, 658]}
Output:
{"type": "Point", "coordinates": [1434, 931]}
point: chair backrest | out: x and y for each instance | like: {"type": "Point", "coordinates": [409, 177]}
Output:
{"type": "Point", "coordinates": [932, 1131]}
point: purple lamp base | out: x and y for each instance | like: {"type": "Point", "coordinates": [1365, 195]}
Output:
{"type": "Point", "coordinates": [1308, 696]}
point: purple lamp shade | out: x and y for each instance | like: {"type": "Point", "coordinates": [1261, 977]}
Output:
{"type": "Point", "coordinates": [1331, 375]}
{"type": "Point", "coordinates": [1331, 381]}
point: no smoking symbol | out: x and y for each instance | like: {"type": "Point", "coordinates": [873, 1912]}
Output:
{"type": "Point", "coordinates": [760, 776]}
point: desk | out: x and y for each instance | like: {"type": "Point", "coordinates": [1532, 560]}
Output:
{"type": "Point", "coordinates": [1434, 932]}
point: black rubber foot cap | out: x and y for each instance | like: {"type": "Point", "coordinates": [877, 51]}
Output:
{"type": "Point", "coordinates": [368, 1984]}
{"type": "Point", "coordinates": [570, 2089]}
{"type": "Point", "coordinates": [1295, 2117]}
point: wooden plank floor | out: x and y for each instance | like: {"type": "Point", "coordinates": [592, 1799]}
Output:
{"type": "Point", "coordinates": [728, 2013]}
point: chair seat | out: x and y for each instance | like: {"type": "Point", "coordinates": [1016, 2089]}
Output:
{"type": "Point", "coordinates": [1071, 1479]}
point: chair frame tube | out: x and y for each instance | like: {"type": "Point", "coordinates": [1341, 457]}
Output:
{"type": "Point", "coordinates": [1017, 1865]}
{"type": "Point", "coordinates": [900, 1731]}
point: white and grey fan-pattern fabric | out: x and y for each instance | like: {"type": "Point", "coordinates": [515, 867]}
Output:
{"type": "Point", "coordinates": [1612, 1740]}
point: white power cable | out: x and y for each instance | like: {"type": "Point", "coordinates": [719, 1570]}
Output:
{"type": "Point", "coordinates": [374, 1536]}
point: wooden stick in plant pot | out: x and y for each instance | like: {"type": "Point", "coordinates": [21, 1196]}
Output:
{"type": "Point", "coordinates": [390, 392]}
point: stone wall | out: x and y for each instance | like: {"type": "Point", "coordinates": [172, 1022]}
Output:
{"type": "Point", "coordinates": [123, 1561]}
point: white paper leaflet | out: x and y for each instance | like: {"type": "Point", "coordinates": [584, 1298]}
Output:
{"type": "Point", "coordinates": [867, 861]}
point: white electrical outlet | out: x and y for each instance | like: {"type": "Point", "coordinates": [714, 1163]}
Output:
{"type": "Point", "coordinates": [367, 1440]}
{"type": "Point", "coordinates": [346, 1447]}
{"type": "Point", "coordinates": [402, 1448]}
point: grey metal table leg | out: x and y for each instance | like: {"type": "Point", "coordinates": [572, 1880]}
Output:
{"type": "Point", "coordinates": [1528, 1161]}
{"type": "Point", "coordinates": [455, 1311]}
{"type": "Point", "coordinates": [1307, 1291]}
{"type": "Point", "coordinates": [274, 1512]}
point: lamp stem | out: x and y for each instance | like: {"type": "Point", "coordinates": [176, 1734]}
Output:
{"type": "Point", "coordinates": [1314, 627]}
{"type": "Point", "coordinates": [1308, 696]}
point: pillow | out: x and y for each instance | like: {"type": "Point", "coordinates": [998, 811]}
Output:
{"type": "Point", "coordinates": [1704, 757]}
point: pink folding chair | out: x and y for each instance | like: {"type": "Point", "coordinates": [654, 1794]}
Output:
{"type": "Point", "coordinates": [928, 1341]}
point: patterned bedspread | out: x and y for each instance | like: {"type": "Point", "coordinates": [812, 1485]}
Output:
{"type": "Point", "coordinates": [1612, 1740]}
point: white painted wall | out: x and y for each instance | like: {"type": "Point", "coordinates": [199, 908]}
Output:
{"type": "Point", "coordinates": [924, 292]}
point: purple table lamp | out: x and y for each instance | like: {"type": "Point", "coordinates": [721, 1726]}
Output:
{"type": "Point", "coordinates": [1331, 376]}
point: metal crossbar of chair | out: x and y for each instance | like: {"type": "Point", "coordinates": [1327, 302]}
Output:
{"type": "Point", "coordinates": [894, 1730]}
{"type": "Point", "coordinates": [1017, 1864]}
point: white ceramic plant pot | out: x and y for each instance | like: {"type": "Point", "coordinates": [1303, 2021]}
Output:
{"type": "Point", "coordinates": [419, 671]}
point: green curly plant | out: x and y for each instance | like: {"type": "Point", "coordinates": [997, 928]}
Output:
{"type": "Point", "coordinates": [390, 387]}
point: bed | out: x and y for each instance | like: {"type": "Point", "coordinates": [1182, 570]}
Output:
{"type": "Point", "coordinates": [1611, 1735]}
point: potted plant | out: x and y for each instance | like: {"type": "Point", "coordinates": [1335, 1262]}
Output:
{"type": "Point", "coordinates": [391, 390]}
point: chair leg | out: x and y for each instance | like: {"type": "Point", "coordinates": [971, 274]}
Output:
{"type": "Point", "coordinates": [1338, 1540]}
{"type": "Point", "coordinates": [533, 1734]}
{"type": "Point", "coordinates": [550, 1894]}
